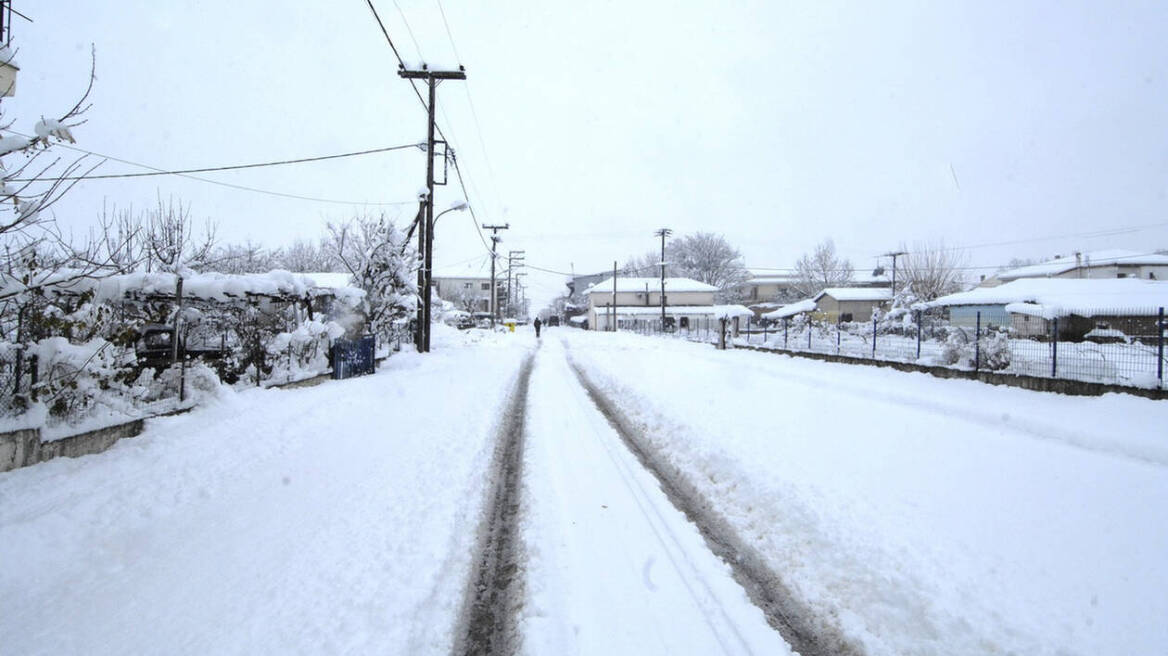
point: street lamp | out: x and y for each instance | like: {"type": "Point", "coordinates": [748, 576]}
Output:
{"type": "Point", "coordinates": [455, 207]}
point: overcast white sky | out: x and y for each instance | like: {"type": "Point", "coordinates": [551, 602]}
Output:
{"type": "Point", "coordinates": [774, 123]}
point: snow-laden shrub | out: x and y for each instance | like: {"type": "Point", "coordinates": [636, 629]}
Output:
{"type": "Point", "coordinates": [958, 350]}
{"type": "Point", "coordinates": [992, 352]}
{"type": "Point", "coordinates": [304, 351]}
{"type": "Point", "coordinates": [995, 350]}
{"type": "Point", "coordinates": [201, 382]}
{"type": "Point", "coordinates": [74, 380]}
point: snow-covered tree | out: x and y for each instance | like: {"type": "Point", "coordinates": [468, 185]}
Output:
{"type": "Point", "coordinates": [931, 270]}
{"type": "Point", "coordinates": [702, 256]}
{"type": "Point", "coordinates": [822, 268]}
{"type": "Point", "coordinates": [382, 263]}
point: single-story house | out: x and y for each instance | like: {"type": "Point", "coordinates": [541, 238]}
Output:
{"type": "Point", "coordinates": [1105, 264]}
{"type": "Point", "coordinates": [838, 304]}
{"type": "Point", "coordinates": [631, 295]}
{"type": "Point", "coordinates": [1030, 306]}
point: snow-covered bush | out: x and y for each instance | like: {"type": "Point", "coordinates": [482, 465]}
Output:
{"type": "Point", "coordinates": [304, 351]}
{"type": "Point", "coordinates": [995, 350]}
{"type": "Point", "coordinates": [75, 380]}
{"type": "Point", "coordinates": [201, 382]}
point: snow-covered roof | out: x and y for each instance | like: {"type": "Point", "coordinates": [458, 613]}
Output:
{"type": "Point", "coordinates": [716, 311]}
{"type": "Point", "coordinates": [652, 284]}
{"type": "Point", "coordinates": [791, 309]}
{"type": "Point", "coordinates": [329, 280]}
{"type": "Point", "coordinates": [1095, 259]}
{"type": "Point", "coordinates": [1051, 297]}
{"type": "Point", "coordinates": [856, 293]}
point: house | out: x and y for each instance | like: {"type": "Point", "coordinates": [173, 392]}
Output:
{"type": "Point", "coordinates": [851, 303]}
{"type": "Point", "coordinates": [1113, 263]}
{"type": "Point", "coordinates": [767, 286]}
{"type": "Point", "coordinates": [470, 293]}
{"type": "Point", "coordinates": [688, 303]}
{"type": "Point", "coordinates": [838, 304]}
{"type": "Point", "coordinates": [1031, 306]}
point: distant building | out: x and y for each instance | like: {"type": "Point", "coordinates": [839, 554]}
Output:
{"type": "Point", "coordinates": [1112, 263]}
{"type": "Point", "coordinates": [687, 302]}
{"type": "Point", "coordinates": [470, 293]}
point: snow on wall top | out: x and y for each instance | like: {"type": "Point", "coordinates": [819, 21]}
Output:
{"type": "Point", "coordinates": [1098, 258]}
{"type": "Point", "coordinates": [207, 286]}
{"type": "Point", "coordinates": [652, 284]}
{"type": "Point", "coordinates": [856, 293]}
{"type": "Point", "coordinates": [1051, 297]}
{"type": "Point", "coordinates": [791, 309]}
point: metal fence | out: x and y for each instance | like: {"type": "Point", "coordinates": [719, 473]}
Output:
{"type": "Point", "coordinates": [1125, 349]}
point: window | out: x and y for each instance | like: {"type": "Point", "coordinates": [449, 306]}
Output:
{"type": "Point", "coordinates": [1121, 275]}
{"type": "Point", "coordinates": [466, 285]}
{"type": "Point", "coordinates": [846, 316]}
{"type": "Point", "coordinates": [486, 287]}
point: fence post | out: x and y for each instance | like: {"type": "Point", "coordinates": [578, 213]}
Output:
{"type": "Point", "coordinates": [838, 338]}
{"type": "Point", "coordinates": [920, 316]}
{"type": "Point", "coordinates": [977, 344]}
{"type": "Point", "coordinates": [764, 332]}
{"type": "Point", "coordinates": [873, 337]}
{"type": "Point", "coordinates": [1160, 348]}
{"type": "Point", "coordinates": [809, 335]}
{"type": "Point", "coordinates": [784, 332]}
{"type": "Point", "coordinates": [1054, 350]}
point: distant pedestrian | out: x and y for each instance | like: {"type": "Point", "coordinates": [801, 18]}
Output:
{"type": "Point", "coordinates": [537, 323]}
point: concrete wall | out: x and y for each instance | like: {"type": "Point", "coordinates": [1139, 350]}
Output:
{"type": "Point", "coordinates": [24, 447]}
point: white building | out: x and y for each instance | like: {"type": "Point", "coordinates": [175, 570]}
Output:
{"type": "Point", "coordinates": [687, 302]}
{"type": "Point", "coordinates": [1114, 263]}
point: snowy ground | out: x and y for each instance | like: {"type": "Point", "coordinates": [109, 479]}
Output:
{"type": "Point", "coordinates": [916, 515]}
{"type": "Point", "coordinates": [612, 567]}
{"type": "Point", "coordinates": [332, 519]}
{"type": "Point", "coordinates": [928, 516]}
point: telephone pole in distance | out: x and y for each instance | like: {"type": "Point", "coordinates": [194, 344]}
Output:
{"type": "Point", "coordinates": [494, 291]}
{"type": "Point", "coordinates": [663, 233]}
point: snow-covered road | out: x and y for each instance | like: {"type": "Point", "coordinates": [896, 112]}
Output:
{"type": "Point", "coordinates": [903, 513]}
{"type": "Point", "coordinates": [919, 515]}
{"type": "Point", "coordinates": [612, 566]}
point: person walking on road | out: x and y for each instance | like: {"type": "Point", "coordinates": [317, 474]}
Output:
{"type": "Point", "coordinates": [537, 323]}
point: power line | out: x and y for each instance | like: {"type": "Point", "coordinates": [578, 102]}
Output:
{"type": "Point", "coordinates": [225, 184]}
{"type": "Point", "coordinates": [235, 167]}
{"type": "Point", "coordinates": [409, 30]}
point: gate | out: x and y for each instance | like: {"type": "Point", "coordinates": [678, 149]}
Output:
{"type": "Point", "coordinates": [353, 357]}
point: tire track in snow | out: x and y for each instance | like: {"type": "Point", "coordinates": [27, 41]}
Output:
{"type": "Point", "coordinates": [804, 632]}
{"type": "Point", "coordinates": [495, 592]}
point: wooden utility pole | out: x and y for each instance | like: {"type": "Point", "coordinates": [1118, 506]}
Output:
{"type": "Point", "coordinates": [494, 292]}
{"type": "Point", "coordinates": [432, 79]}
{"type": "Point", "coordinates": [612, 326]}
{"type": "Point", "coordinates": [663, 233]}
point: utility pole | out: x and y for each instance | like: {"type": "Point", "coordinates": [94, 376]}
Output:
{"type": "Point", "coordinates": [432, 78]}
{"type": "Point", "coordinates": [514, 262]}
{"type": "Point", "coordinates": [612, 326]}
{"type": "Point", "coordinates": [494, 292]}
{"type": "Point", "coordinates": [663, 233]}
{"type": "Point", "coordinates": [894, 255]}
